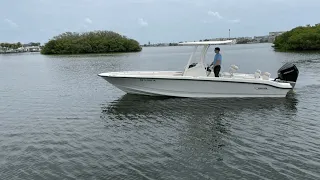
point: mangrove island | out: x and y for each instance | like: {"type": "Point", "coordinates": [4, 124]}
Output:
{"type": "Point", "coordinates": [90, 42]}
{"type": "Point", "coordinates": [303, 38]}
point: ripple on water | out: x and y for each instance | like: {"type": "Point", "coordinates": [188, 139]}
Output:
{"type": "Point", "coordinates": [68, 123]}
{"type": "Point", "coordinates": [253, 136]}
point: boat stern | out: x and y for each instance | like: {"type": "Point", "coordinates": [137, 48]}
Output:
{"type": "Point", "coordinates": [288, 73]}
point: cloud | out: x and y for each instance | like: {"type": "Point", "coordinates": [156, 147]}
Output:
{"type": "Point", "coordinates": [11, 23]}
{"type": "Point", "coordinates": [88, 20]}
{"type": "Point", "coordinates": [142, 22]}
{"type": "Point", "coordinates": [215, 14]}
{"type": "Point", "coordinates": [234, 21]}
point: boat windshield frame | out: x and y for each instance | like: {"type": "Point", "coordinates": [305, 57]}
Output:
{"type": "Point", "coordinates": [206, 45]}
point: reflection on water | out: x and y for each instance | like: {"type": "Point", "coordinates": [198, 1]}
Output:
{"type": "Point", "coordinates": [146, 105]}
{"type": "Point", "coordinates": [202, 122]}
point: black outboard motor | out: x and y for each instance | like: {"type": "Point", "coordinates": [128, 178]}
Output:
{"type": "Point", "coordinates": [289, 73]}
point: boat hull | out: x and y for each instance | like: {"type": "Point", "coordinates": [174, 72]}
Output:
{"type": "Point", "coordinates": [195, 88]}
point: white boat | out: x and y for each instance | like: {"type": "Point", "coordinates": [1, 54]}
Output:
{"type": "Point", "coordinates": [198, 81]}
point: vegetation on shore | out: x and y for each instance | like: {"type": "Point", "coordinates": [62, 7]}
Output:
{"type": "Point", "coordinates": [302, 38]}
{"type": "Point", "coordinates": [11, 45]}
{"type": "Point", "coordinates": [90, 42]}
{"type": "Point", "coordinates": [17, 45]}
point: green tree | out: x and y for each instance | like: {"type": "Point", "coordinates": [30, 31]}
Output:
{"type": "Point", "coordinates": [11, 45]}
{"type": "Point", "coordinates": [90, 42]}
{"type": "Point", "coordinates": [243, 41]}
{"type": "Point", "coordinates": [35, 44]}
{"type": "Point", "coordinates": [299, 39]}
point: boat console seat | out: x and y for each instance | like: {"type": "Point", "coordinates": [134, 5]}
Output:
{"type": "Point", "coordinates": [266, 76]}
{"type": "Point", "coordinates": [257, 74]}
{"type": "Point", "coordinates": [232, 69]}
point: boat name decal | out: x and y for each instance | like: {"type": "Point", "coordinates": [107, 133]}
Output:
{"type": "Point", "coordinates": [261, 88]}
{"type": "Point", "coordinates": [148, 80]}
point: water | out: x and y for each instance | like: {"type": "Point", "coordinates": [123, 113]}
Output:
{"type": "Point", "coordinates": [59, 120]}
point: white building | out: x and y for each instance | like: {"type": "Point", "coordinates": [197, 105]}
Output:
{"type": "Point", "coordinates": [273, 35]}
{"type": "Point", "coordinates": [32, 49]}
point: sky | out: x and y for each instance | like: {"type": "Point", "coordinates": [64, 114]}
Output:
{"type": "Point", "coordinates": [153, 20]}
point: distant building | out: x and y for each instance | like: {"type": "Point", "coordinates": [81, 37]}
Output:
{"type": "Point", "coordinates": [32, 48]}
{"type": "Point", "coordinates": [18, 48]}
{"type": "Point", "coordinates": [243, 40]}
{"type": "Point", "coordinates": [260, 39]}
{"type": "Point", "coordinates": [273, 35]}
{"type": "Point", "coordinates": [247, 38]}
{"type": "Point", "coordinates": [31, 44]}
{"type": "Point", "coordinates": [220, 39]}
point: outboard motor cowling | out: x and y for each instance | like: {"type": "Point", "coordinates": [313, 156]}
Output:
{"type": "Point", "coordinates": [288, 72]}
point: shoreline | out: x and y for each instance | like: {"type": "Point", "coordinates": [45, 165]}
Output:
{"type": "Point", "coordinates": [18, 52]}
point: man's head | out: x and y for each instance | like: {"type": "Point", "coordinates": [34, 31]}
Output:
{"type": "Point", "coordinates": [217, 50]}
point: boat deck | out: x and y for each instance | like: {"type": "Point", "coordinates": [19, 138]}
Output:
{"type": "Point", "coordinates": [224, 75]}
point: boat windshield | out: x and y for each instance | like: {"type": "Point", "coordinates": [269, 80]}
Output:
{"type": "Point", "coordinates": [199, 61]}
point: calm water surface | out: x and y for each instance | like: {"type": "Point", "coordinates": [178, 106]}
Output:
{"type": "Point", "coordinates": [59, 120]}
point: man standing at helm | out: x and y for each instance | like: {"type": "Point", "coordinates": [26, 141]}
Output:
{"type": "Point", "coordinates": [217, 62]}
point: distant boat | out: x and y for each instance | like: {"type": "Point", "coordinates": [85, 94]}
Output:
{"type": "Point", "coordinates": [198, 81]}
